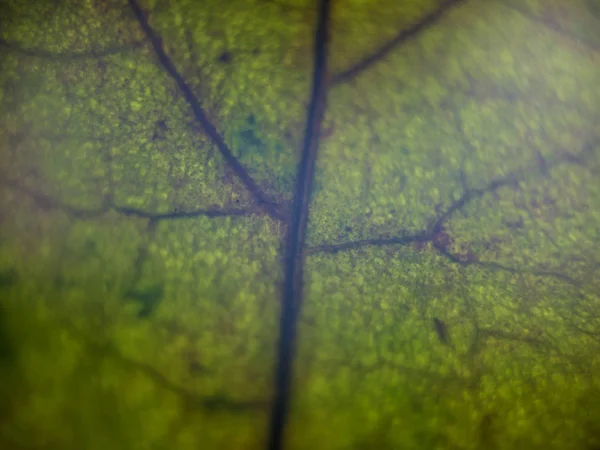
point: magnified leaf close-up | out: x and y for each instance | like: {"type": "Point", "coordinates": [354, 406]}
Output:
{"type": "Point", "coordinates": [300, 224]}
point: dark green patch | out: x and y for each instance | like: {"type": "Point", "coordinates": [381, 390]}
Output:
{"type": "Point", "coordinates": [149, 298]}
{"type": "Point", "coordinates": [7, 351]}
{"type": "Point", "coordinates": [8, 277]}
{"type": "Point", "coordinates": [594, 7]}
{"type": "Point", "coordinates": [250, 138]}
{"type": "Point", "coordinates": [226, 57]}
{"type": "Point", "coordinates": [91, 247]}
{"type": "Point", "coordinates": [160, 130]}
{"type": "Point", "coordinates": [60, 282]}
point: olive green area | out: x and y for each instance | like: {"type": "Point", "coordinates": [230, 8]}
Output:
{"type": "Point", "coordinates": [452, 262]}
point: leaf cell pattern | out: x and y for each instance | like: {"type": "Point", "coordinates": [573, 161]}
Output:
{"type": "Point", "coordinates": [294, 224]}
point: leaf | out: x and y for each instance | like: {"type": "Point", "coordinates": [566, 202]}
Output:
{"type": "Point", "coordinates": [241, 224]}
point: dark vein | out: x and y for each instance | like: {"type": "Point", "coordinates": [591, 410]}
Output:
{"type": "Point", "coordinates": [233, 212]}
{"type": "Point", "coordinates": [66, 56]}
{"type": "Point", "coordinates": [549, 23]}
{"type": "Point", "coordinates": [212, 403]}
{"type": "Point", "coordinates": [268, 204]}
{"type": "Point", "coordinates": [512, 179]}
{"type": "Point", "coordinates": [471, 194]}
{"type": "Point", "coordinates": [426, 22]}
{"type": "Point", "coordinates": [425, 236]}
{"type": "Point", "coordinates": [377, 242]}
{"type": "Point", "coordinates": [294, 255]}
{"type": "Point", "coordinates": [497, 266]}
{"type": "Point", "coordinates": [46, 202]}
